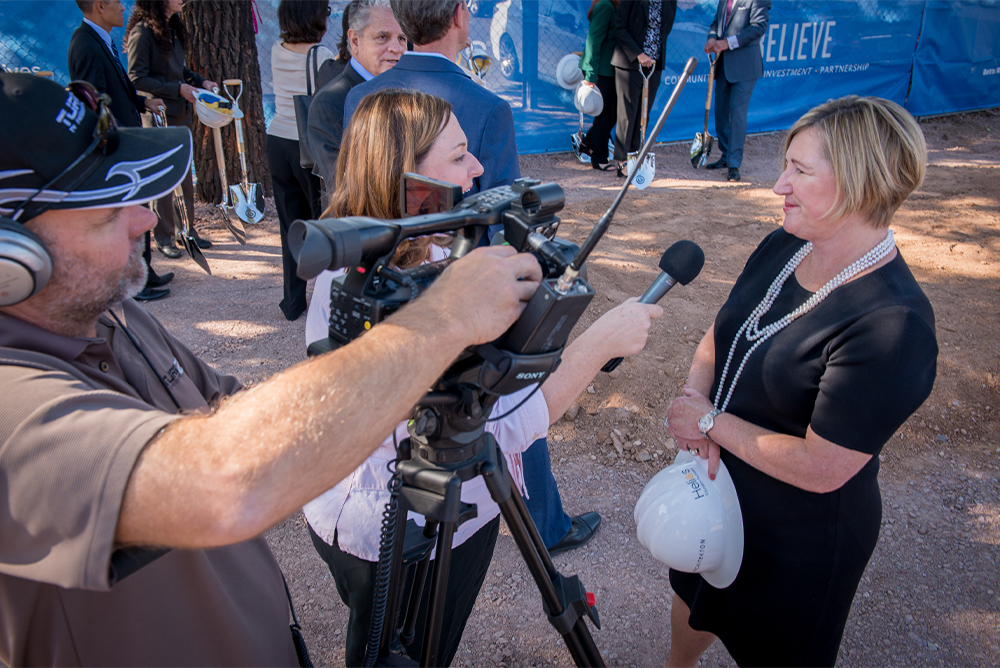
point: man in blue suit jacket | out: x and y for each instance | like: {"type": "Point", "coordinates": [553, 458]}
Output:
{"type": "Point", "coordinates": [439, 29]}
{"type": "Point", "coordinates": [735, 36]}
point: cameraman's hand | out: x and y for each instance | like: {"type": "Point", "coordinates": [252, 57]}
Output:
{"type": "Point", "coordinates": [479, 296]}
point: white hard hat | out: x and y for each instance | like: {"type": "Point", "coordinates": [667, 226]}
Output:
{"type": "Point", "coordinates": [214, 118]}
{"type": "Point", "coordinates": [691, 523]}
{"type": "Point", "coordinates": [568, 72]}
{"type": "Point", "coordinates": [588, 100]}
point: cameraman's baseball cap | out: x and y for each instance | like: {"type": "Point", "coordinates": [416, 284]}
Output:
{"type": "Point", "coordinates": [60, 148]}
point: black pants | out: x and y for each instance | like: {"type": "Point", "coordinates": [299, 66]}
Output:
{"type": "Point", "coordinates": [166, 213]}
{"type": "Point", "coordinates": [296, 196]}
{"type": "Point", "coordinates": [597, 139]}
{"type": "Point", "coordinates": [355, 580]}
{"type": "Point", "coordinates": [629, 131]}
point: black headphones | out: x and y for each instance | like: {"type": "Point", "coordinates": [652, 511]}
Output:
{"type": "Point", "coordinates": [25, 263]}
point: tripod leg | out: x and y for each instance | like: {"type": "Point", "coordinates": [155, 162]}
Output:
{"type": "Point", "coordinates": [417, 592]}
{"type": "Point", "coordinates": [439, 590]}
{"type": "Point", "coordinates": [578, 639]}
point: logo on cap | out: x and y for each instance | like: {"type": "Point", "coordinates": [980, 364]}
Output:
{"type": "Point", "coordinates": [72, 113]}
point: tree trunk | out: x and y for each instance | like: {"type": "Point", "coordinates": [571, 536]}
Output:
{"type": "Point", "coordinates": [221, 45]}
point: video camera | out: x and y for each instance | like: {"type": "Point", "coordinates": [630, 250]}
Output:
{"type": "Point", "coordinates": [373, 288]}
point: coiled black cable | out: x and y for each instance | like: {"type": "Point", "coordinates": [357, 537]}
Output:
{"type": "Point", "coordinates": [385, 545]}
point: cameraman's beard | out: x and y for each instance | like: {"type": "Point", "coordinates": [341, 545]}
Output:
{"type": "Point", "coordinates": [78, 294]}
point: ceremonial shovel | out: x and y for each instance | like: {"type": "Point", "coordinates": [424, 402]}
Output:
{"type": "Point", "coordinates": [236, 227]}
{"type": "Point", "coordinates": [185, 230]}
{"type": "Point", "coordinates": [647, 170]}
{"type": "Point", "coordinates": [248, 198]}
{"type": "Point", "coordinates": [701, 147]}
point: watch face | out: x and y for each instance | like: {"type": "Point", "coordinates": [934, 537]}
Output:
{"type": "Point", "coordinates": [706, 423]}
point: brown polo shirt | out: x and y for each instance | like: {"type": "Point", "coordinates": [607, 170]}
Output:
{"type": "Point", "coordinates": [75, 415]}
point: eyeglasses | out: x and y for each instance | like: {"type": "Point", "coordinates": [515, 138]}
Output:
{"type": "Point", "coordinates": [329, 10]}
{"type": "Point", "coordinates": [105, 140]}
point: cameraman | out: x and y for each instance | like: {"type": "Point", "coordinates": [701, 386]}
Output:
{"type": "Point", "coordinates": [395, 131]}
{"type": "Point", "coordinates": [116, 439]}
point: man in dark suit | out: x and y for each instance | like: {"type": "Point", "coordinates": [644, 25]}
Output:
{"type": "Point", "coordinates": [376, 42]}
{"type": "Point", "coordinates": [439, 29]}
{"type": "Point", "coordinates": [93, 57]}
{"type": "Point", "coordinates": [735, 37]}
{"type": "Point", "coordinates": [641, 29]}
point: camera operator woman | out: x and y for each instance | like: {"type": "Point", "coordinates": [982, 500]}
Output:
{"type": "Point", "coordinates": [395, 131]}
{"type": "Point", "coordinates": [155, 46]}
{"type": "Point", "coordinates": [296, 189]}
{"type": "Point", "coordinates": [824, 348]}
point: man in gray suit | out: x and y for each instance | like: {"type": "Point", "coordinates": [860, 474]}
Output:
{"type": "Point", "coordinates": [735, 37]}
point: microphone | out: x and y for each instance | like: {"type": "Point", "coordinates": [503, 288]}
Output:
{"type": "Point", "coordinates": [680, 263]}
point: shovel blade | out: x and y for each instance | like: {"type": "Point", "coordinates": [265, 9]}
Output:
{"type": "Point", "coordinates": [647, 170]}
{"type": "Point", "coordinates": [195, 252]}
{"type": "Point", "coordinates": [701, 148]}
{"type": "Point", "coordinates": [235, 226]}
{"type": "Point", "coordinates": [246, 204]}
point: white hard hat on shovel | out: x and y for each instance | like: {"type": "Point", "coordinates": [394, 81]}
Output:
{"type": "Point", "coordinates": [691, 523]}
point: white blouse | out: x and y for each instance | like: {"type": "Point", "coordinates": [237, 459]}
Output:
{"type": "Point", "coordinates": [288, 77]}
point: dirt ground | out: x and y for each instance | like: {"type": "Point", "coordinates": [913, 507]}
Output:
{"type": "Point", "coordinates": [931, 594]}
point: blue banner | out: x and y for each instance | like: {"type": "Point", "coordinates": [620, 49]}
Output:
{"type": "Point", "coordinates": [957, 63]}
{"type": "Point", "coordinates": [813, 51]}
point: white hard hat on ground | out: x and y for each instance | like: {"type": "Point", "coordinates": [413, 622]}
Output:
{"type": "Point", "coordinates": [691, 523]}
{"type": "Point", "coordinates": [211, 111]}
{"type": "Point", "coordinates": [588, 100]}
{"type": "Point", "coordinates": [568, 72]}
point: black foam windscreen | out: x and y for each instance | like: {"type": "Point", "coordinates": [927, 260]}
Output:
{"type": "Point", "coordinates": [683, 261]}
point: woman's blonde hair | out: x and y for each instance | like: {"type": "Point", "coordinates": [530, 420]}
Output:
{"type": "Point", "coordinates": [877, 151]}
{"type": "Point", "coordinates": [390, 133]}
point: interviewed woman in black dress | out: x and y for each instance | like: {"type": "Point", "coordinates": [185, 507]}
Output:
{"type": "Point", "coordinates": [823, 349]}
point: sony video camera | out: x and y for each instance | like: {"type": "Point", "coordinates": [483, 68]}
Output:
{"type": "Point", "coordinates": [373, 288]}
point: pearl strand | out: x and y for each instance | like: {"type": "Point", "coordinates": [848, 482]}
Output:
{"type": "Point", "coordinates": [758, 336]}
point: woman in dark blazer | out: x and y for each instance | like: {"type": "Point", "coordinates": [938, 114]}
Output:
{"type": "Point", "coordinates": [632, 30]}
{"type": "Point", "coordinates": [155, 45]}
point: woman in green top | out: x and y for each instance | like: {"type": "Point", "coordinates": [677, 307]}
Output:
{"type": "Point", "coordinates": [599, 73]}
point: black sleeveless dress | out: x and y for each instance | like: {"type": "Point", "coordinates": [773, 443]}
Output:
{"type": "Point", "coordinates": [854, 369]}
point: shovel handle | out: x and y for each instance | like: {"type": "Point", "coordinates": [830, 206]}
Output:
{"type": "Point", "coordinates": [232, 82]}
{"type": "Point", "coordinates": [711, 80]}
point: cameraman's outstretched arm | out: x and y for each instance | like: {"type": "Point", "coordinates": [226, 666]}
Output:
{"type": "Point", "coordinates": [220, 479]}
{"type": "Point", "coordinates": [620, 332]}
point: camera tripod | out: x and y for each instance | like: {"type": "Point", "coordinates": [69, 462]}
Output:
{"type": "Point", "coordinates": [429, 474]}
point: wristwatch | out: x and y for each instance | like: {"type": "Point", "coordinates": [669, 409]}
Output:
{"type": "Point", "coordinates": [707, 421]}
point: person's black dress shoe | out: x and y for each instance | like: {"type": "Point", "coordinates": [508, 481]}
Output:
{"type": "Point", "coordinates": [202, 243]}
{"type": "Point", "coordinates": [169, 250]}
{"type": "Point", "coordinates": [734, 173]}
{"type": "Point", "coordinates": [149, 294]}
{"type": "Point", "coordinates": [154, 280]}
{"type": "Point", "coordinates": [718, 164]}
{"type": "Point", "coordinates": [622, 170]}
{"type": "Point", "coordinates": [584, 528]}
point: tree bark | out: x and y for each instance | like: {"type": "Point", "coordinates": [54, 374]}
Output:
{"type": "Point", "coordinates": [221, 45]}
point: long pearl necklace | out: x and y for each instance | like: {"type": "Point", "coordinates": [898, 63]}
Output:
{"type": "Point", "coordinates": [758, 336]}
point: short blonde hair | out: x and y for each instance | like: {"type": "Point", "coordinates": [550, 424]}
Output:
{"type": "Point", "coordinates": [877, 151]}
